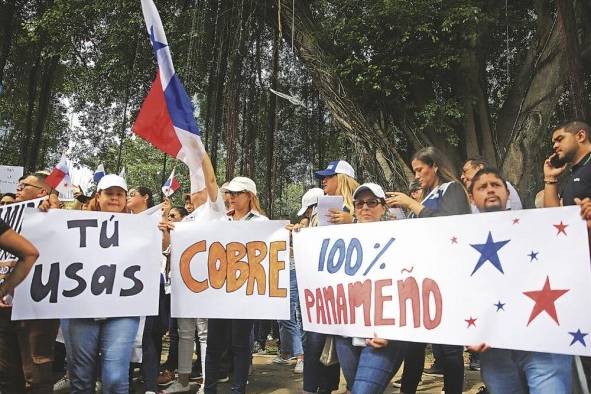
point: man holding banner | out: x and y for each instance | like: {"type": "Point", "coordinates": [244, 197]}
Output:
{"type": "Point", "coordinates": [26, 347]}
{"type": "Point", "coordinates": [506, 370]}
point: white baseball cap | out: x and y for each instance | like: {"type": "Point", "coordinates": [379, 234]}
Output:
{"type": "Point", "coordinates": [111, 180]}
{"type": "Point", "coordinates": [240, 184]}
{"type": "Point", "coordinates": [372, 187]}
{"type": "Point", "coordinates": [336, 167]}
{"type": "Point", "coordinates": [310, 198]}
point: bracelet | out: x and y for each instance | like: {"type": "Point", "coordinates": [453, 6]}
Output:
{"type": "Point", "coordinates": [550, 182]}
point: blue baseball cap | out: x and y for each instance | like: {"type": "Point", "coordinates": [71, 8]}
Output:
{"type": "Point", "coordinates": [336, 167]}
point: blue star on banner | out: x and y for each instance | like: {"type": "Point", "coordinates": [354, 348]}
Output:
{"type": "Point", "coordinates": [533, 256]}
{"type": "Point", "coordinates": [155, 44]}
{"type": "Point", "coordinates": [500, 305]}
{"type": "Point", "coordinates": [488, 252]}
{"type": "Point", "coordinates": [578, 336]}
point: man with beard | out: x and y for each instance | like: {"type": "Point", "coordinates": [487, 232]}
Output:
{"type": "Point", "coordinates": [571, 149]}
{"type": "Point", "coordinates": [515, 371]}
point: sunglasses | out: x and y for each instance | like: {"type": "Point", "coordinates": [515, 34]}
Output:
{"type": "Point", "coordinates": [5, 202]}
{"type": "Point", "coordinates": [371, 203]}
{"type": "Point", "coordinates": [21, 186]}
{"type": "Point", "coordinates": [234, 194]}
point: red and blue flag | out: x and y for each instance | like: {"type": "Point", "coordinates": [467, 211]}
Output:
{"type": "Point", "coordinates": [166, 117]}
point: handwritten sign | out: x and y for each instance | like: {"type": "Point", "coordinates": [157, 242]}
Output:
{"type": "Point", "coordinates": [235, 270]}
{"type": "Point", "coordinates": [91, 265]}
{"type": "Point", "coordinates": [9, 176]}
{"type": "Point", "coordinates": [13, 215]}
{"type": "Point", "coordinates": [514, 279]}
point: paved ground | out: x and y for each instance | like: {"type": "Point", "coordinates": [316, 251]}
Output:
{"type": "Point", "coordinates": [269, 378]}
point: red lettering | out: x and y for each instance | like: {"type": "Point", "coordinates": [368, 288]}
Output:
{"type": "Point", "coordinates": [309, 303]}
{"type": "Point", "coordinates": [329, 302]}
{"type": "Point", "coordinates": [360, 294]}
{"type": "Point", "coordinates": [431, 287]}
{"type": "Point", "coordinates": [409, 290]}
{"type": "Point", "coordinates": [320, 313]}
{"type": "Point", "coordinates": [379, 319]}
{"type": "Point", "coordinates": [341, 305]}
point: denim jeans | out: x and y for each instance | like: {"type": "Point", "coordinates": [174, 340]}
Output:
{"type": "Point", "coordinates": [317, 376]}
{"type": "Point", "coordinates": [290, 331]}
{"type": "Point", "coordinates": [113, 338]}
{"type": "Point", "coordinates": [451, 359]}
{"type": "Point", "coordinates": [368, 370]}
{"type": "Point", "coordinates": [26, 354]}
{"type": "Point", "coordinates": [154, 329]}
{"type": "Point", "coordinates": [240, 334]}
{"type": "Point", "coordinates": [187, 339]}
{"type": "Point", "coordinates": [521, 372]}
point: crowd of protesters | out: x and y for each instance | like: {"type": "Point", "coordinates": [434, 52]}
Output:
{"type": "Point", "coordinates": [98, 352]}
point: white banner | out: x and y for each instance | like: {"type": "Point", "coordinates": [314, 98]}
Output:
{"type": "Point", "coordinates": [91, 265]}
{"type": "Point", "coordinates": [237, 270]}
{"type": "Point", "coordinates": [13, 215]}
{"type": "Point", "coordinates": [9, 176]}
{"type": "Point", "coordinates": [513, 279]}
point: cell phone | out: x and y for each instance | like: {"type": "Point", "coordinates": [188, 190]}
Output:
{"type": "Point", "coordinates": [556, 161]}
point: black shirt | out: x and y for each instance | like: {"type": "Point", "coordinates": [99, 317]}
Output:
{"type": "Point", "coordinates": [3, 227]}
{"type": "Point", "coordinates": [446, 200]}
{"type": "Point", "coordinates": [578, 184]}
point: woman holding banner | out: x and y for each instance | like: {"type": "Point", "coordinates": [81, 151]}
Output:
{"type": "Point", "coordinates": [369, 364]}
{"type": "Point", "coordinates": [244, 205]}
{"type": "Point", "coordinates": [338, 179]}
{"type": "Point", "coordinates": [208, 206]}
{"type": "Point", "coordinates": [444, 196]}
{"type": "Point", "coordinates": [113, 338]}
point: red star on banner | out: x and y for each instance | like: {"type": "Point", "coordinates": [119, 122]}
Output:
{"type": "Point", "coordinates": [454, 240]}
{"type": "Point", "coordinates": [471, 321]}
{"type": "Point", "coordinates": [544, 301]}
{"type": "Point", "coordinates": [516, 221]}
{"type": "Point", "coordinates": [561, 228]}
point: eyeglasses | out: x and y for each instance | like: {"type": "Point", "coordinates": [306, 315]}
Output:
{"type": "Point", "coordinates": [371, 203]}
{"type": "Point", "coordinates": [234, 194]}
{"type": "Point", "coordinates": [21, 186]}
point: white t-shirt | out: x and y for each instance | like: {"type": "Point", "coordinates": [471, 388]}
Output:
{"type": "Point", "coordinates": [208, 211]}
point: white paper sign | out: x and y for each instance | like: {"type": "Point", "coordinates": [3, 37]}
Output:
{"type": "Point", "coordinates": [9, 176]}
{"type": "Point", "coordinates": [514, 279]}
{"type": "Point", "coordinates": [326, 203]}
{"type": "Point", "coordinates": [91, 265]}
{"type": "Point", "coordinates": [237, 270]}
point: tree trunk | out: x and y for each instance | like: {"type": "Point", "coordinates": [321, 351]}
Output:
{"type": "Point", "coordinates": [570, 45]}
{"type": "Point", "coordinates": [271, 126]}
{"type": "Point", "coordinates": [45, 97]}
{"type": "Point", "coordinates": [522, 127]}
{"type": "Point", "coordinates": [31, 101]}
{"type": "Point", "coordinates": [8, 20]}
{"type": "Point", "coordinates": [370, 144]}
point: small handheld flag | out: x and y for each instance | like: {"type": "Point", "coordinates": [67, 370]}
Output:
{"type": "Point", "coordinates": [98, 173]}
{"type": "Point", "coordinates": [59, 178]}
{"type": "Point", "coordinates": [171, 185]}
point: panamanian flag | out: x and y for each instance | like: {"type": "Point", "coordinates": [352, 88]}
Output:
{"type": "Point", "coordinates": [166, 117]}
{"type": "Point", "coordinates": [98, 173]}
{"type": "Point", "coordinates": [171, 185]}
{"type": "Point", "coordinates": [59, 178]}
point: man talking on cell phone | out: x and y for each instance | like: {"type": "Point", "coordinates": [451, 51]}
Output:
{"type": "Point", "coordinates": [572, 149]}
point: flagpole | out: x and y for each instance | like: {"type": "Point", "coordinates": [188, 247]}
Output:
{"type": "Point", "coordinates": [163, 176]}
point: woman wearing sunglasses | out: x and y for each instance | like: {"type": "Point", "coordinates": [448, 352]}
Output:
{"type": "Point", "coordinates": [443, 195]}
{"type": "Point", "coordinates": [369, 364]}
